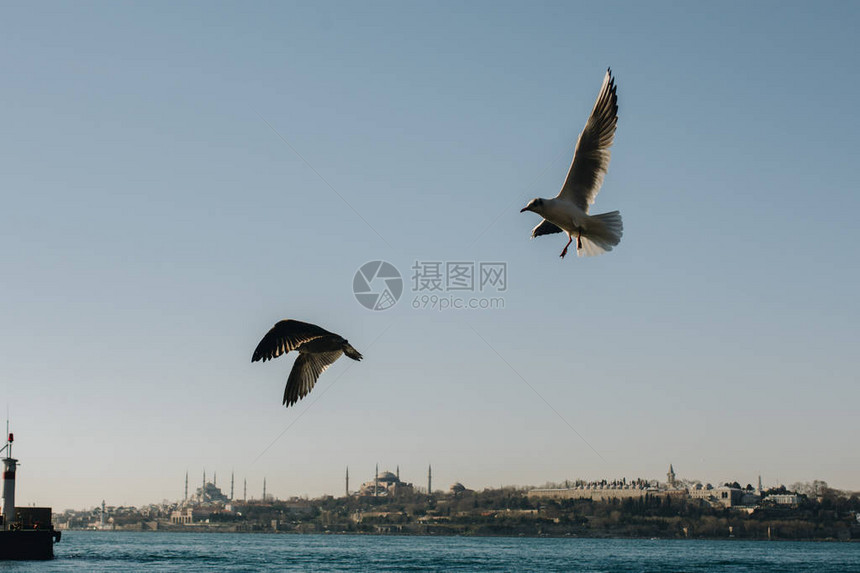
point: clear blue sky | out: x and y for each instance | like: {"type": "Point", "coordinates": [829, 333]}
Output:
{"type": "Point", "coordinates": [153, 227]}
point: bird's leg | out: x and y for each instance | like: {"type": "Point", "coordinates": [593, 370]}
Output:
{"type": "Point", "coordinates": [569, 240]}
{"type": "Point", "coordinates": [579, 240]}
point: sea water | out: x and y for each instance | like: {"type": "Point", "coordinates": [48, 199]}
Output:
{"type": "Point", "coordinates": [188, 552]}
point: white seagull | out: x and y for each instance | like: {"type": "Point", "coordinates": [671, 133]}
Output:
{"type": "Point", "coordinates": [318, 349]}
{"type": "Point", "coordinates": [568, 212]}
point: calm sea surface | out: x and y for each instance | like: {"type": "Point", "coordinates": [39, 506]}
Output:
{"type": "Point", "coordinates": [121, 551]}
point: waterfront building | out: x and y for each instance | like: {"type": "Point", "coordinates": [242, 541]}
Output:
{"type": "Point", "coordinates": [189, 515]}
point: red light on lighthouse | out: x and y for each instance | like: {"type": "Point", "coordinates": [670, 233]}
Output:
{"type": "Point", "coordinates": [11, 437]}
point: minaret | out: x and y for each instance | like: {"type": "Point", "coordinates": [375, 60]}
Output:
{"type": "Point", "coordinates": [215, 479]}
{"type": "Point", "coordinates": [204, 478]}
{"type": "Point", "coordinates": [347, 481]}
{"type": "Point", "coordinates": [758, 489]}
{"type": "Point", "coordinates": [264, 489]}
{"type": "Point", "coordinates": [429, 480]}
{"type": "Point", "coordinates": [231, 486]}
{"type": "Point", "coordinates": [670, 477]}
{"type": "Point", "coordinates": [102, 519]}
{"type": "Point", "coordinates": [398, 472]}
{"type": "Point", "coordinates": [376, 482]}
{"type": "Point", "coordinates": [245, 494]}
{"type": "Point", "coordinates": [186, 485]}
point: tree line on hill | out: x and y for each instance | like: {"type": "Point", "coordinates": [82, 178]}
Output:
{"type": "Point", "coordinates": [824, 513]}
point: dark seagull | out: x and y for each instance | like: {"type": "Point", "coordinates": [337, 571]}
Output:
{"type": "Point", "coordinates": [568, 211]}
{"type": "Point", "coordinates": [318, 349]}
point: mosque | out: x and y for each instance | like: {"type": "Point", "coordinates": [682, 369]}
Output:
{"type": "Point", "coordinates": [385, 484]}
{"type": "Point", "coordinates": [208, 493]}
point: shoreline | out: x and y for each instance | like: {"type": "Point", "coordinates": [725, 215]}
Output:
{"type": "Point", "coordinates": [223, 531]}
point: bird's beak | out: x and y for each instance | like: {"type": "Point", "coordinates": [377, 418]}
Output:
{"type": "Point", "coordinates": [524, 209]}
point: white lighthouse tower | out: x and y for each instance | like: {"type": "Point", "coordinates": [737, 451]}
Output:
{"type": "Point", "coordinates": [9, 466]}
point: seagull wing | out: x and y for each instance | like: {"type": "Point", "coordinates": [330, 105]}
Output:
{"type": "Point", "coordinates": [591, 157]}
{"type": "Point", "coordinates": [285, 336]}
{"type": "Point", "coordinates": [350, 351]}
{"type": "Point", "coordinates": [545, 228]}
{"type": "Point", "coordinates": [305, 372]}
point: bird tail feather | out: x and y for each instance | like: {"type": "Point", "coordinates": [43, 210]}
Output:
{"type": "Point", "coordinates": [604, 232]}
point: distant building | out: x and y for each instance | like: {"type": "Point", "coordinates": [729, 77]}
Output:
{"type": "Point", "coordinates": [750, 498]}
{"type": "Point", "coordinates": [200, 504]}
{"type": "Point", "coordinates": [459, 489]}
{"type": "Point", "coordinates": [620, 489]}
{"type": "Point", "coordinates": [596, 492]}
{"type": "Point", "coordinates": [603, 490]}
{"type": "Point", "coordinates": [725, 496]}
{"type": "Point", "coordinates": [188, 516]}
{"type": "Point", "coordinates": [385, 484]}
{"type": "Point", "coordinates": [783, 499]}
{"type": "Point", "coordinates": [208, 494]}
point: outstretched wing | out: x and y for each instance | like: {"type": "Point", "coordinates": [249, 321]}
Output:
{"type": "Point", "coordinates": [350, 351]}
{"type": "Point", "coordinates": [305, 372]}
{"type": "Point", "coordinates": [592, 154]}
{"type": "Point", "coordinates": [286, 335]}
{"type": "Point", "coordinates": [545, 228]}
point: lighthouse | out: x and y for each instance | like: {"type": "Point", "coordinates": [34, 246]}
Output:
{"type": "Point", "coordinates": [27, 532]}
{"type": "Point", "coordinates": [9, 466]}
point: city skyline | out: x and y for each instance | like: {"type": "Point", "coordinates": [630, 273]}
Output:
{"type": "Point", "coordinates": [192, 496]}
{"type": "Point", "coordinates": [179, 177]}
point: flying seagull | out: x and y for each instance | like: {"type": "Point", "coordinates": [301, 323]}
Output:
{"type": "Point", "coordinates": [318, 349]}
{"type": "Point", "coordinates": [568, 212]}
